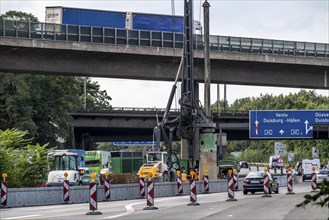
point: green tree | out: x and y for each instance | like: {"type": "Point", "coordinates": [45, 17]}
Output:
{"type": "Point", "coordinates": [32, 165]}
{"type": "Point", "coordinates": [95, 97]}
{"type": "Point", "coordinates": [26, 165]}
{"type": "Point", "coordinates": [20, 20]}
{"type": "Point", "coordinates": [41, 104]}
{"type": "Point", "coordinates": [19, 16]}
{"type": "Point", "coordinates": [10, 140]}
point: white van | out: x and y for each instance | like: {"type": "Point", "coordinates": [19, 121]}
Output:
{"type": "Point", "coordinates": [275, 162]}
{"type": "Point", "coordinates": [307, 165]}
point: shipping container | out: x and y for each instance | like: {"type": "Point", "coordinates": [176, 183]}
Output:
{"type": "Point", "coordinates": [116, 19]}
{"type": "Point", "coordinates": [126, 161]}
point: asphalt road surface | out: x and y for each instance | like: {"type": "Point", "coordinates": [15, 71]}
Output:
{"type": "Point", "coordinates": [212, 206]}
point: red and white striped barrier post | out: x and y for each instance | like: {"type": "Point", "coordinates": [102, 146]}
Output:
{"type": "Point", "coordinates": [4, 190]}
{"type": "Point", "coordinates": [107, 189]}
{"type": "Point", "coordinates": [235, 180]}
{"type": "Point", "coordinates": [179, 184]}
{"type": "Point", "coordinates": [230, 188]}
{"type": "Point", "coordinates": [193, 194]}
{"type": "Point", "coordinates": [150, 195]}
{"type": "Point", "coordinates": [266, 189]}
{"type": "Point", "coordinates": [257, 168]}
{"type": "Point", "coordinates": [206, 182]}
{"type": "Point", "coordinates": [93, 196]}
{"type": "Point", "coordinates": [142, 187]}
{"type": "Point", "coordinates": [289, 183]}
{"type": "Point", "coordinates": [66, 189]}
{"type": "Point", "coordinates": [313, 182]}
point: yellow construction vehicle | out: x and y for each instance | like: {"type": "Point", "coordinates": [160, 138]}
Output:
{"type": "Point", "coordinates": [156, 167]}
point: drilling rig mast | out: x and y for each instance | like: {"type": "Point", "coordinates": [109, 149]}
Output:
{"type": "Point", "coordinates": [194, 128]}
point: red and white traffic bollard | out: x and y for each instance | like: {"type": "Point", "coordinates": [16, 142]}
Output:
{"type": "Point", "coordinates": [107, 189]}
{"type": "Point", "coordinates": [4, 187]}
{"type": "Point", "coordinates": [206, 182]}
{"type": "Point", "coordinates": [66, 191]}
{"type": "Point", "coordinates": [93, 196]}
{"type": "Point", "coordinates": [289, 183]}
{"type": "Point", "coordinates": [266, 189]}
{"type": "Point", "coordinates": [257, 168]}
{"type": "Point", "coordinates": [235, 180]}
{"type": "Point", "coordinates": [150, 196]}
{"type": "Point", "coordinates": [230, 188]}
{"type": "Point", "coordinates": [179, 184]}
{"type": "Point", "coordinates": [142, 187]}
{"type": "Point", "coordinates": [313, 182]}
{"type": "Point", "coordinates": [193, 194]}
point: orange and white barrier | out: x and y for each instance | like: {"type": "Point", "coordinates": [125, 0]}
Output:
{"type": "Point", "coordinates": [150, 196]}
{"type": "Point", "coordinates": [107, 189]}
{"type": "Point", "coordinates": [289, 184]}
{"type": "Point", "coordinates": [193, 194]}
{"type": "Point", "coordinates": [66, 191]}
{"type": "Point", "coordinates": [230, 186]}
{"type": "Point", "coordinates": [313, 182]}
{"type": "Point", "coordinates": [179, 185]}
{"type": "Point", "coordinates": [142, 187]}
{"type": "Point", "coordinates": [206, 182]}
{"type": "Point", "coordinates": [235, 181]}
{"type": "Point", "coordinates": [266, 184]}
{"type": "Point", "coordinates": [4, 187]}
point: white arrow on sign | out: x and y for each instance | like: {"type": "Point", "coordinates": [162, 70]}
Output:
{"type": "Point", "coordinates": [256, 128]}
{"type": "Point", "coordinates": [307, 129]}
{"type": "Point", "coordinates": [281, 132]}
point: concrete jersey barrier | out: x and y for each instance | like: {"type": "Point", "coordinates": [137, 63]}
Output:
{"type": "Point", "coordinates": [20, 197]}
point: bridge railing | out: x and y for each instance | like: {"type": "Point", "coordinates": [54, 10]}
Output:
{"type": "Point", "coordinates": [105, 35]}
{"type": "Point", "coordinates": [153, 110]}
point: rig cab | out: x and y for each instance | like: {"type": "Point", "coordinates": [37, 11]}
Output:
{"type": "Point", "coordinates": [63, 162]}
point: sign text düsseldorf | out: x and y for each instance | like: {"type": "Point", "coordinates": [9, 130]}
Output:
{"type": "Point", "coordinates": [276, 124]}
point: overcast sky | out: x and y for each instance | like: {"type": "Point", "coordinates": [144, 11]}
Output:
{"type": "Point", "coordinates": [280, 19]}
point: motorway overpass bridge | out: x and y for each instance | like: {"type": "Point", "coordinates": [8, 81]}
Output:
{"type": "Point", "coordinates": [149, 55]}
{"type": "Point", "coordinates": [137, 124]}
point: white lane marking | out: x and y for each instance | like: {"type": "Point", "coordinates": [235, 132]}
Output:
{"type": "Point", "coordinates": [129, 209]}
{"type": "Point", "coordinates": [25, 216]}
{"type": "Point", "coordinates": [229, 215]}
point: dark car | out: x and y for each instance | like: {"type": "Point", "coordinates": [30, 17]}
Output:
{"type": "Point", "coordinates": [254, 182]}
{"type": "Point", "coordinates": [86, 179]}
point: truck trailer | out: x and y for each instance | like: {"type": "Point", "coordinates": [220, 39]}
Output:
{"type": "Point", "coordinates": [95, 161]}
{"type": "Point", "coordinates": [117, 19]}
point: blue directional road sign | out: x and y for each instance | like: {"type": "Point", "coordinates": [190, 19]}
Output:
{"type": "Point", "coordinates": [282, 124]}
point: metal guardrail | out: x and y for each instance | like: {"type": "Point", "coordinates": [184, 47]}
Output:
{"type": "Point", "coordinates": [104, 35]}
{"type": "Point", "coordinates": [154, 110]}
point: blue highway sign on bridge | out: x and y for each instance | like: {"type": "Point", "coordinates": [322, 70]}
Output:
{"type": "Point", "coordinates": [277, 124]}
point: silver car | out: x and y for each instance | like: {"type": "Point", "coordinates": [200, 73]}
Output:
{"type": "Point", "coordinates": [322, 175]}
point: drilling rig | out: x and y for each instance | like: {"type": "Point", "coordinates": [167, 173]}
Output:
{"type": "Point", "coordinates": [193, 127]}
